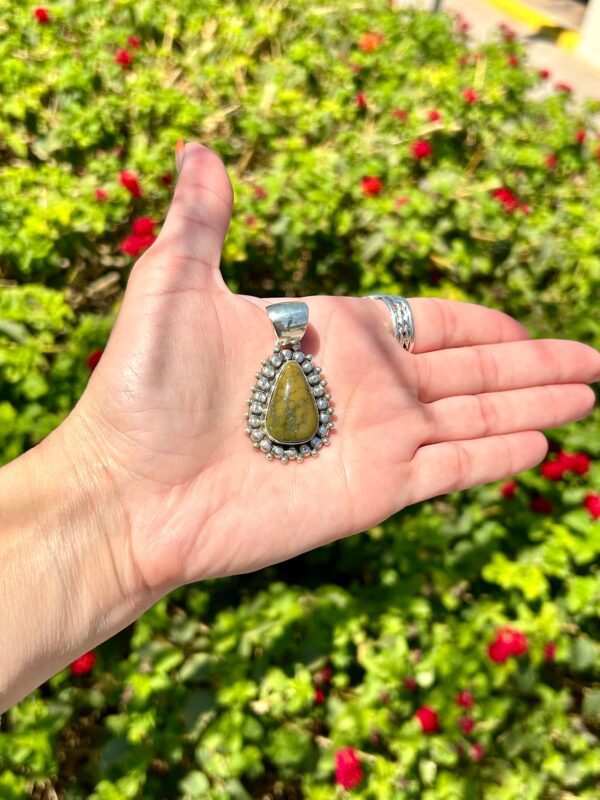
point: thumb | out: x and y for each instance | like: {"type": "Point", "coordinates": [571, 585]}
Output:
{"type": "Point", "coordinates": [199, 216]}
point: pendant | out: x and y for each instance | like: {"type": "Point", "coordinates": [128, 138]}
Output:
{"type": "Point", "coordinates": [290, 414]}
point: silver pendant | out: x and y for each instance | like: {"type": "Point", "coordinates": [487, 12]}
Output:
{"type": "Point", "coordinates": [290, 412]}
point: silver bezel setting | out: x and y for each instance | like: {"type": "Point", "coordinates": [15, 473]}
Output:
{"type": "Point", "coordinates": [266, 379]}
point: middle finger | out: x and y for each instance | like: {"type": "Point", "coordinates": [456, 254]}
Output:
{"type": "Point", "coordinates": [509, 365]}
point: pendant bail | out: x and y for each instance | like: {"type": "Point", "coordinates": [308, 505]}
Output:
{"type": "Point", "coordinates": [290, 320]}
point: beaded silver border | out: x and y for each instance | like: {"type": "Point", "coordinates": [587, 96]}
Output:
{"type": "Point", "coordinates": [266, 379]}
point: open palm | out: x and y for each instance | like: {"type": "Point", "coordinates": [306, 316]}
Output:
{"type": "Point", "coordinates": [166, 405]}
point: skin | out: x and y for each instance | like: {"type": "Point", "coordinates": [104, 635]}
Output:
{"type": "Point", "coordinates": [151, 483]}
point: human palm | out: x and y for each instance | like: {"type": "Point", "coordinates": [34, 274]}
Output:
{"type": "Point", "coordinates": [167, 404]}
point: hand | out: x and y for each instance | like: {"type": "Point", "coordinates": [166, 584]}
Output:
{"type": "Point", "coordinates": [164, 410]}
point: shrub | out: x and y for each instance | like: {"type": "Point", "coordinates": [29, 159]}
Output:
{"type": "Point", "coordinates": [370, 148]}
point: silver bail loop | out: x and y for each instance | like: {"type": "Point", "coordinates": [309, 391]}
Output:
{"type": "Point", "coordinates": [290, 320]}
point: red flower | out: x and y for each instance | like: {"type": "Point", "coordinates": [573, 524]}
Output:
{"type": "Point", "coordinates": [260, 193]}
{"type": "Point", "coordinates": [580, 463]}
{"type": "Point", "coordinates": [508, 199]}
{"type": "Point", "coordinates": [319, 697]}
{"type": "Point", "coordinates": [428, 719]}
{"type": "Point", "coordinates": [508, 642]}
{"type": "Point", "coordinates": [551, 161]}
{"type": "Point", "coordinates": [513, 60]}
{"type": "Point", "coordinates": [592, 503]}
{"type": "Point", "coordinates": [133, 245]}
{"type": "Point", "coordinates": [421, 149]}
{"type": "Point", "coordinates": [123, 58]}
{"type": "Point", "coordinates": [42, 15]}
{"type": "Point", "coordinates": [143, 226]}
{"type": "Point", "coordinates": [477, 751]}
{"type": "Point", "coordinates": [466, 724]}
{"type": "Point", "coordinates": [550, 651]}
{"type": "Point", "coordinates": [434, 116]}
{"type": "Point", "coordinates": [130, 181]}
{"type": "Point", "coordinates": [554, 470]}
{"type": "Point", "coordinates": [371, 186]}
{"type": "Point", "coordinates": [83, 664]}
{"type": "Point", "coordinates": [508, 33]}
{"type": "Point", "coordinates": [580, 137]}
{"type": "Point", "coordinates": [141, 237]}
{"type": "Point", "coordinates": [470, 96]}
{"type": "Point", "coordinates": [400, 114]}
{"type": "Point", "coordinates": [94, 358]}
{"type": "Point", "coordinates": [356, 68]}
{"type": "Point", "coordinates": [401, 201]}
{"type": "Point", "coordinates": [134, 42]}
{"type": "Point", "coordinates": [166, 178]}
{"type": "Point", "coordinates": [361, 100]}
{"type": "Point", "coordinates": [348, 770]}
{"type": "Point", "coordinates": [509, 489]}
{"type": "Point", "coordinates": [544, 74]}
{"type": "Point", "coordinates": [369, 42]}
{"type": "Point", "coordinates": [251, 220]}
{"type": "Point", "coordinates": [464, 699]}
{"type": "Point", "coordinates": [563, 87]}
{"type": "Point", "coordinates": [541, 505]}
{"type": "Point", "coordinates": [565, 462]}
{"type": "Point", "coordinates": [410, 684]}
{"type": "Point", "coordinates": [101, 195]}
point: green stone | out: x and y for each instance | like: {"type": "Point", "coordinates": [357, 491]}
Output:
{"type": "Point", "coordinates": [292, 415]}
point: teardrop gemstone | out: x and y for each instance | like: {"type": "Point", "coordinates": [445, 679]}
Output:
{"type": "Point", "coordinates": [292, 415]}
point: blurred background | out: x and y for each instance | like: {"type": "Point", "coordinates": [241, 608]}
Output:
{"type": "Point", "coordinates": [452, 653]}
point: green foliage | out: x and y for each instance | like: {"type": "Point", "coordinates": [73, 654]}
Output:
{"type": "Point", "coordinates": [212, 692]}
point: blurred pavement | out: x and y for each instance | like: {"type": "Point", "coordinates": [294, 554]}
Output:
{"type": "Point", "coordinates": [565, 66]}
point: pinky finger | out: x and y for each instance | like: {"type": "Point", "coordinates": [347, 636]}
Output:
{"type": "Point", "coordinates": [453, 466]}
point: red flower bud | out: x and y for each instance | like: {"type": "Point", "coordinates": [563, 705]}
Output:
{"type": "Point", "coordinates": [94, 358]}
{"type": "Point", "coordinates": [421, 149]}
{"type": "Point", "coordinates": [361, 100]}
{"type": "Point", "coordinates": [83, 664]}
{"type": "Point", "coordinates": [508, 642]}
{"type": "Point", "coordinates": [464, 699]}
{"type": "Point", "coordinates": [466, 724]}
{"type": "Point", "coordinates": [348, 769]}
{"type": "Point", "coordinates": [130, 181]}
{"type": "Point", "coordinates": [470, 96]}
{"type": "Point", "coordinates": [550, 651]}
{"type": "Point", "coordinates": [428, 719]}
{"type": "Point", "coordinates": [508, 490]}
{"type": "Point", "coordinates": [541, 505]}
{"type": "Point", "coordinates": [477, 751]}
{"type": "Point", "coordinates": [371, 186]}
{"type": "Point", "coordinates": [123, 58]}
{"type": "Point", "coordinates": [42, 15]}
{"type": "Point", "coordinates": [592, 503]}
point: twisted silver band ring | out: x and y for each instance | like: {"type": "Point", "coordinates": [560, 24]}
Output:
{"type": "Point", "coordinates": [402, 318]}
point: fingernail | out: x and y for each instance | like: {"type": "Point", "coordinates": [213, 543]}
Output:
{"type": "Point", "coordinates": [179, 148]}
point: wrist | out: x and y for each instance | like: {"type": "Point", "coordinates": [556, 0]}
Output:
{"type": "Point", "coordinates": [69, 581]}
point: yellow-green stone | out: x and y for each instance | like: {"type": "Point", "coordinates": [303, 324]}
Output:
{"type": "Point", "coordinates": [292, 415]}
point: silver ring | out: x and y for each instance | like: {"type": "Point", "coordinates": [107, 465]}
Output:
{"type": "Point", "coordinates": [402, 318]}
